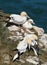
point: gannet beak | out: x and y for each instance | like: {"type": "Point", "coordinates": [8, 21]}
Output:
{"type": "Point", "coordinates": [33, 23]}
{"type": "Point", "coordinates": [28, 17]}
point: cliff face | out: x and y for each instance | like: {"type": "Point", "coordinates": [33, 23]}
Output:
{"type": "Point", "coordinates": [10, 37]}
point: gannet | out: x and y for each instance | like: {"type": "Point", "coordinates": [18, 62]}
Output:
{"type": "Point", "coordinates": [30, 40]}
{"type": "Point", "coordinates": [19, 19]}
{"type": "Point", "coordinates": [28, 24]}
{"type": "Point", "coordinates": [22, 46]}
{"type": "Point", "coordinates": [31, 36]}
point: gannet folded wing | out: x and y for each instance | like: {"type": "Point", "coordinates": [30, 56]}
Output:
{"type": "Point", "coordinates": [17, 19]}
{"type": "Point", "coordinates": [22, 46]}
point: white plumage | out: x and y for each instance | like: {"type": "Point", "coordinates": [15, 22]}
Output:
{"type": "Point", "coordinates": [28, 24]}
{"type": "Point", "coordinates": [18, 19]}
{"type": "Point", "coordinates": [22, 46]}
{"type": "Point", "coordinates": [16, 56]}
{"type": "Point", "coordinates": [27, 41]}
{"type": "Point", "coordinates": [35, 51]}
{"type": "Point", "coordinates": [13, 28]}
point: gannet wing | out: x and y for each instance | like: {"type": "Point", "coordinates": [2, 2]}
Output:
{"type": "Point", "coordinates": [15, 57]}
{"type": "Point", "coordinates": [17, 19]}
{"type": "Point", "coordinates": [35, 51]}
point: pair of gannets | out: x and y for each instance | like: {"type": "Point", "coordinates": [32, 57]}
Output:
{"type": "Point", "coordinates": [21, 20]}
{"type": "Point", "coordinates": [28, 41]}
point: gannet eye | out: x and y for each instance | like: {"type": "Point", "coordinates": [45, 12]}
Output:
{"type": "Point", "coordinates": [11, 17]}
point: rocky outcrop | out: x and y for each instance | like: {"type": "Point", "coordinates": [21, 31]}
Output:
{"type": "Point", "coordinates": [43, 41]}
{"type": "Point", "coordinates": [38, 30]}
{"type": "Point", "coordinates": [9, 38]}
{"type": "Point", "coordinates": [13, 28]}
{"type": "Point", "coordinates": [45, 63]}
{"type": "Point", "coordinates": [15, 38]}
{"type": "Point", "coordinates": [33, 60]}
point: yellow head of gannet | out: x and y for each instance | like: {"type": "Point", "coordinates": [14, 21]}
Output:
{"type": "Point", "coordinates": [28, 40]}
{"type": "Point", "coordinates": [28, 24]}
{"type": "Point", "coordinates": [24, 14]}
{"type": "Point", "coordinates": [31, 21]}
{"type": "Point", "coordinates": [34, 37]}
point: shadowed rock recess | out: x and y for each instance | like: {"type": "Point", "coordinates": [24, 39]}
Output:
{"type": "Point", "coordinates": [10, 38]}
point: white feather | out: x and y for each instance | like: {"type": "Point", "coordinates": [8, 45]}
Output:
{"type": "Point", "coordinates": [15, 57]}
{"type": "Point", "coordinates": [27, 25]}
{"type": "Point", "coordinates": [22, 46]}
{"type": "Point", "coordinates": [35, 51]}
{"type": "Point", "coordinates": [17, 19]}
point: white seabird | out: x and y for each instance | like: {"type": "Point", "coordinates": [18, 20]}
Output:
{"type": "Point", "coordinates": [21, 49]}
{"type": "Point", "coordinates": [22, 46]}
{"type": "Point", "coordinates": [28, 24]}
{"type": "Point", "coordinates": [19, 19]}
{"type": "Point", "coordinates": [30, 40]}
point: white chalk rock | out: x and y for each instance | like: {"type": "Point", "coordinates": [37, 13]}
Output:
{"type": "Point", "coordinates": [13, 28]}
{"type": "Point", "coordinates": [6, 59]}
{"type": "Point", "coordinates": [18, 33]}
{"type": "Point", "coordinates": [34, 60]}
{"type": "Point", "coordinates": [21, 60]}
{"type": "Point", "coordinates": [22, 31]}
{"type": "Point", "coordinates": [43, 40]}
{"type": "Point", "coordinates": [38, 30]}
{"type": "Point", "coordinates": [12, 38]}
{"type": "Point", "coordinates": [45, 63]}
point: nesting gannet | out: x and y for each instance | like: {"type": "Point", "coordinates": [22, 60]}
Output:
{"type": "Point", "coordinates": [31, 36]}
{"type": "Point", "coordinates": [22, 46]}
{"type": "Point", "coordinates": [19, 19]}
{"type": "Point", "coordinates": [30, 40]}
{"type": "Point", "coordinates": [28, 24]}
